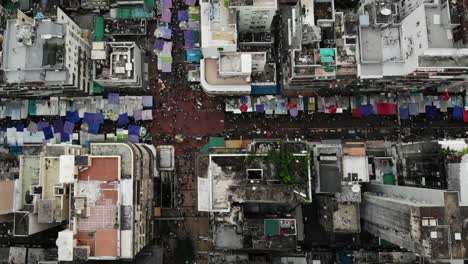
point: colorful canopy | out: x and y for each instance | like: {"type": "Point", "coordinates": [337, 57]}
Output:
{"type": "Point", "coordinates": [244, 108]}
{"type": "Point", "coordinates": [179, 138]}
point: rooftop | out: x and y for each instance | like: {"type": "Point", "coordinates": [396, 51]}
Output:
{"type": "Point", "coordinates": [117, 61]}
{"type": "Point", "coordinates": [423, 38]}
{"type": "Point", "coordinates": [257, 234]}
{"type": "Point", "coordinates": [95, 204]}
{"type": "Point", "coordinates": [218, 25]}
{"type": "Point", "coordinates": [212, 76]}
{"type": "Point", "coordinates": [252, 178]}
{"type": "Point", "coordinates": [34, 54]}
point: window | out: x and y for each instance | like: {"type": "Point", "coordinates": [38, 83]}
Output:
{"type": "Point", "coordinates": [352, 176]}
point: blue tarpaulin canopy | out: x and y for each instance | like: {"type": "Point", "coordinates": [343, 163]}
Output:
{"type": "Point", "coordinates": [404, 113]}
{"type": "Point", "coordinates": [432, 112]}
{"type": "Point", "coordinates": [93, 118]}
{"type": "Point", "coordinates": [64, 137]}
{"type": "Point", "coordinates": [48, 132]}
{"type": "Point", "coordinates": [367, 109]}
{"type": "Point", "coordinates": [193, 55]}
{"type": "Point", "coordinates": [94, 128]}
{"type": "Point", "coordinates": [458, 112]}
{"type": "Point", "coordinates": [73, 117]}
{"type": "Point", "coordinates": [123, 119]}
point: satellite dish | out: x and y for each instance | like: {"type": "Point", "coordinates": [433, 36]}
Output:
{"type": "Point", "coordinates": [385, 11]}
{"type": "Point", "coordinates": [356, 188]}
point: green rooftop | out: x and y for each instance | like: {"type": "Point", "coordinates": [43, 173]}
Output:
{"type": "Point", "coordinates": [272, 227]}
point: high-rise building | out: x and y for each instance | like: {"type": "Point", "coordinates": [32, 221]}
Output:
{"type": "Point", "coordinates": [102, 195]}
{"type": "Point", "coordinates": [117, 65]}
{"type": "Point", "coordinates": [228, 30]}
{"type": "Point", "coordinates": [427, 222]}
{"type": "Point", "coordinates": [43, 57]}
{"type": "Point", "coordinates": [111, 202]}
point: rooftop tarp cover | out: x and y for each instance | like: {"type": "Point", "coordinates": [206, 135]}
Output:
{"type": "Point", "coordinates": [327, 52]}
{"type": "Point", "coordinates": [133, 12]}
{"type": "Point", "coordinates": [213, 142]}
{"type": "Point", "coordinates": [272, 227]}
{"type": "Point", "coordinates": [99, 28]}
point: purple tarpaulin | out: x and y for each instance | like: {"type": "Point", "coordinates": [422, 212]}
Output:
{"type": "Point", "coordinates": [166, 66]}
{"type": "Point", "coordinates": [189, 39]}
{"type": "Point", "coordinates": [413, 109]}
{"type": "Point", "coordinates": [58, 126]}
{"type": "Point", "coordinates": [167, 4]}
{"type": "Point", "coordinates": [68, 127]}
{"type": "Point", "coordinates": [190, 2]}
{"type": "Point", "coordinates": [167, 46]}
{"type": "Point", "coordinates": [404, 113]}
{"type": "Point", "coordinates": [113, 98]}
{"type": "Point", "coordinates": [133, 130]}
{"type": "Point", "coordinates": [166, 33]}
{"type": "Point", "coordinates": [183, 15]}
{"type": "Point", "coordinates": [158, 44]}
{"type": "Point", "coordinates": [293, 112]}
{"type": "Point", "coordinates": [260, 108]}
{"type": "Point", "coordinates": [93, 118]}
{"type": "Point", "coordinates": [134, 138]}
{"type": "Point", "coordinates": [41, 125]}
{"type": "Point", "coordinates": [123, 119]}
{"type": "Point", "coordinates": [148, 101]}
{"type": "Point", "coordinates": [166, 16]}
{"type": "Point", "coordinates": [137, 114]}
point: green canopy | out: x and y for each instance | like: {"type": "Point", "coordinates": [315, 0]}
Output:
{"type": "Point", "coordinates": [389, 179]}
{"type": "Point", "coordinates": [213, 142]}
{"type": "Point", "coordinates": [32, 107]}
{"type": "Point", "coordinates": [327, 59]}
{"type": "Point", "coordinates": [97, 88]}
{"type": "Point", "coordinates": [99, 28]}
{"type": "Point", "coordinates": [327, 52]}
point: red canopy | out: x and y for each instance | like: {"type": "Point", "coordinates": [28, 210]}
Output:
{"type": "Point", "coordinates": [292, 105]}
{"type": "Point", "coordinates": [357, 112]}
{"type": "Point", "coordinates": [244, 108]}
{"type": "Point", "coordinates": [445, 96]}
{"type": "Point", "coordinates": [386, 109]}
